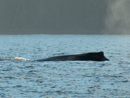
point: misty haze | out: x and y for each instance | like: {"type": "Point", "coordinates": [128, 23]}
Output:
{"type": "Point", "coordinates": [64, 16]}
{"type": "Point", "coordinates": [71, 30]}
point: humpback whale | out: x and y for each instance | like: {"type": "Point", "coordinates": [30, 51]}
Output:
{"type": "Point", "coordinates": [93, 56]}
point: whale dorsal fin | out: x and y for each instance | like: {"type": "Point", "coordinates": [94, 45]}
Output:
{"type": "Point", "coordinates": [101, 53]}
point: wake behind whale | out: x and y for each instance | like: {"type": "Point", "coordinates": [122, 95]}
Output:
{"type": "Point", "coordinates": [15, 59]}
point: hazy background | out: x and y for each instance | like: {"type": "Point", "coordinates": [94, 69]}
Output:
{"type": "Point", "coordinates": [64, 16]}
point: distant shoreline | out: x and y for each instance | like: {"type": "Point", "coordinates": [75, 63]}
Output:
{"type": "Point", "coordinates": [62, 31]}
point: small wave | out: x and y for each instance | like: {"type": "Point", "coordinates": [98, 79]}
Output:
{"type": "Point", "coordinates": [20, 58]}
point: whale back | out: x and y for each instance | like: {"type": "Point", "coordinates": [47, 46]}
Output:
{"type": "Point", "coordinates": [94, 56]}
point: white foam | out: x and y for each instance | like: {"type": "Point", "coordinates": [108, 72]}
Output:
{"type": "Point", "coordinates": [20, 58]}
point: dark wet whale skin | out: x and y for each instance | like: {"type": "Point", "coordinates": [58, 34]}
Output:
{"type": "Point", "coordinates": [94, 56]}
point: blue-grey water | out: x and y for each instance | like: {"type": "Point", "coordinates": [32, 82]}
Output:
{"type": "Point", "coordinates": [64, 79]}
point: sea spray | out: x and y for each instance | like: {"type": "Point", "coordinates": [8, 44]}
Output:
{"type": "Point", "coordinates": [117, 20]}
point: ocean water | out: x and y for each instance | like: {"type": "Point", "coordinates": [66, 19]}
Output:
{"type": "Point", "coordinates": [21, 77]}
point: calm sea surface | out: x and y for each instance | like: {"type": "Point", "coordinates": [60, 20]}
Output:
{"type": "Point", "coordinates": [64, 79]}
